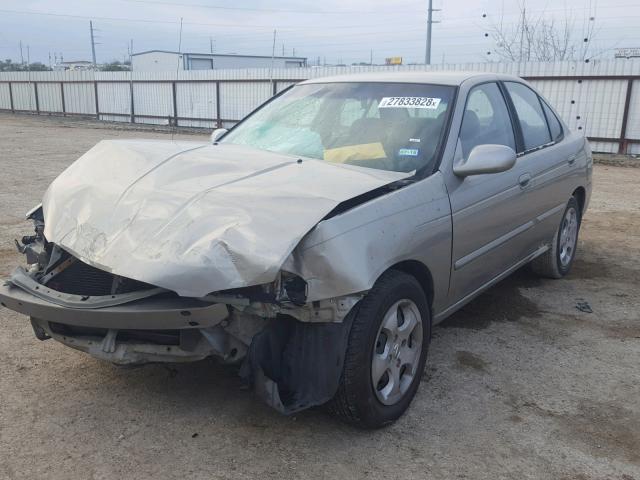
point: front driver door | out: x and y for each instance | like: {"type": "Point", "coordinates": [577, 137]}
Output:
{"type": "Point", "coordinates": [488, 211]}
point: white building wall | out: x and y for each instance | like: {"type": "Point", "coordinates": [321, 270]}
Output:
{"type": "Point", "coordinates": [168, 62]}
{"type": "Point", "coordinates": [222, 62]}
{"type": "Point", "coordinates": [157, 62]}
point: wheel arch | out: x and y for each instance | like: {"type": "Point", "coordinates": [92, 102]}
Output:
{"type": "Point", "coordinates": [421, 273]}
{"type": "Point", "coordinates": [581, 194]}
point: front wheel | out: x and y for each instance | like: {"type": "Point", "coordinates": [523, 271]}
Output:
{"type": "Point", "coordinates": [556, 262]}
{"type": "Point", "coordinates": [386, 353]}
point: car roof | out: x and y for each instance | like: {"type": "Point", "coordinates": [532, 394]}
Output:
{"type": "Point", "coordinates": [440, 78]}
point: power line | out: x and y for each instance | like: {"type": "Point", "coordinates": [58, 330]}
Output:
{"type": "Point", "coordinates": [237, 25]}
{"type": "Point", "coordinates": [272, 10]}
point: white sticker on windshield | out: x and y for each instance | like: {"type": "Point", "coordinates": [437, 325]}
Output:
{"type": "Point", "coordinates": [409, 102]}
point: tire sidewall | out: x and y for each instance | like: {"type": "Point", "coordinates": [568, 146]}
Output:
{"type": "Point", "coordinates": [564, 269]}
{"type": "Point", "coordinates": [373, 412]}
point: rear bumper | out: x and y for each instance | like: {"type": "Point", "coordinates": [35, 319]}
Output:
{"type": "Point", "coordinates": [150, 313]}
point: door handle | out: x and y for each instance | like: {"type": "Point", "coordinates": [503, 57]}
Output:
{"type": "Point", "coordinates": [572, 159]}
{"type": "Point", "coordinates": [524, 179]}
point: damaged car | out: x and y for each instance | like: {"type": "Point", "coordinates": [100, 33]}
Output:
{"type": "Point", "coordinates": [316, 243]}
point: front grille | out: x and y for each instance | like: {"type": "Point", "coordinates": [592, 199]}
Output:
{"type": "Point", "coordinates": [83, 279]}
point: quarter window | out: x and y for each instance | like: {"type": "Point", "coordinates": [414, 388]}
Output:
{"type": "Point", "coordinates": [554, 123]}
{"type": "Point", "coordinates": [486, 119]}
{"type": "Point", "coordinates": [532, 121]}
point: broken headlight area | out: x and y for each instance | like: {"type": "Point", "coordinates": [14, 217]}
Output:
{"type": "Point", "coordinates": [294, 288]}
{"type": "Point", "coordinates": [35, 246]}
{"type": "Point", "coordinates": [57, 269]}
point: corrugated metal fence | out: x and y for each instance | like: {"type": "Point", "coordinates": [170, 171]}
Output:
{"type": "Point", "coordinates": [600, 98]}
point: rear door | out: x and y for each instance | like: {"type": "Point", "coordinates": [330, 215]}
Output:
{"type": "Point", "coordinates": [489, 214]}
{"type": "Point", "coordinates": [547, 160]}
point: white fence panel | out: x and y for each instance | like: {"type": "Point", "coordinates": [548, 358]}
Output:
{"type": "Point", "coordinates": [239, 99]}
{"type": "Point", "coordinates": [5, 96]}
{"type": "Point", "coordinates": [196, 100]}
{"type": "Point", "coordinates": [601, 103]}
{"type": "Point", "coordinates": [24, 96]}
{"type": "Point", "coordinates": [633, 121]}
{"type": "Point", "coordinates": [49, 97]}
{"type": "Point", "coordinates": [114, 98]}
{"type": "Point", "coordinates": [79, 98]}
{"type": "Point", "coordinates": [155, 100]}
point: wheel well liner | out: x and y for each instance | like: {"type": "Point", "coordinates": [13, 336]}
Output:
{"type": "Point", "coordinates": [421, 273]}
{"type": "Point", "coordinates": [580, 195]}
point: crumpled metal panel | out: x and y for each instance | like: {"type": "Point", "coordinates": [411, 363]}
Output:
{"type": "Point", "coordinates": [194, 218]}
{"type": "Point", "coordinates": [346, 254]}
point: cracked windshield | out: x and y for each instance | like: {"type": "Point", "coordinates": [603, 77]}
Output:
{"type": "Point", "coordinates": [397, 127]}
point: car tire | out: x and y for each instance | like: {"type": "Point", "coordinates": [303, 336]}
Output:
{"type": "Point", "coordinates": [556, 262]}
{"type": "Point", "coordinates": [398, 338]}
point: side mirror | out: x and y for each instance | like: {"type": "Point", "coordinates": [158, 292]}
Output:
{"type": "Point", "coordinates": [217, 134]}
{"type": "Point", "coordinates": [486, 159]}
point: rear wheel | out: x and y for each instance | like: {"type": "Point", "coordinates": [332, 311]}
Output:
{"type": "Point", "coordinates": [386, 353]}
{"type": "Point", "coordinates": [557, 261]}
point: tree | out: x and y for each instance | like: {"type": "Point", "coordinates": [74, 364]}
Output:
{"type": "Point", "coordinates": [116, 66]}
{"type": "Point", "coordinates": [542, 39]}
{"type": "Point", "coordinates": [9, 66]}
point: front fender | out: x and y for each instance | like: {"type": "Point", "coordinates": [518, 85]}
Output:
{"type": "Point", "coordinates": [346, 254]}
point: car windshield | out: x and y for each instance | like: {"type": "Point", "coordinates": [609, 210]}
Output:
{"type": "Point", "coordinates": [387, 126]}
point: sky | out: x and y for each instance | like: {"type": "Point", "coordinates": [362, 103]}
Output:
{"type": "Point", "coordinates": [331, 31]}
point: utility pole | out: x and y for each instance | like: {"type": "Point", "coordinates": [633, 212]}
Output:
{"type": "Point", "coordinates": [21, 56]}
{"type": "Point", "coordinates": [130, 53]}
{"type": "Point", "coordinates": [522, 29]}
{"type": "Point", "coordinates": [294, 52]}
{"type": "Point", "coordinates": [93, 44]}
{"type": "Point", "coordinates": [211, 44]}
{"type": "Point", "coordinates": [430, 22]}
{"type": "Point", "coordinates": [371, 57]}
{"type": "Point", "coordinates": [273, 54]}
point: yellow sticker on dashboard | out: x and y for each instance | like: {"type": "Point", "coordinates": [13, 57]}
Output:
{"type": "Point", "coordinates": [363, 151]}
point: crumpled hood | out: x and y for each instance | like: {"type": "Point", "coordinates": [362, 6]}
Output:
{"type": "Point", "coordinates": [194, 218]}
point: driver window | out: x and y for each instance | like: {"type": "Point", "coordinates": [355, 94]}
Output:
{"type": "Point", "coordinates": [486, 119]}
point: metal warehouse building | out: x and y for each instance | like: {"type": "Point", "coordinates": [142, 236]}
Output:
{"type": "Point", "coordinates": [163, 61]}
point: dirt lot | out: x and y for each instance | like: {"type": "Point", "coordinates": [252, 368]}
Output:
{"type": "Point", "coordinates": [520, 384]}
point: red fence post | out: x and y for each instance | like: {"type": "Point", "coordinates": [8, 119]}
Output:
{"type": "Point", "coordinates": [622, 145]}
{"type": "Point", "coordinates": [35, 93]}
{"type": "Point", "coordinates": [13, 110]}
{"type": "Point", "coordinates": [64, 107]}
{"type": "Point", "coordinates": [218, 119]}
{"type": "Point", "coordinates": [95, 96]}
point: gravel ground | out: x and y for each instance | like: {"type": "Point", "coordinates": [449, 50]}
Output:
{"type": "Point", "coordinates": [520, 384]}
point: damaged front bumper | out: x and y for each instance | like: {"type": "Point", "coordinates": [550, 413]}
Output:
{"type": "Point", "coordinates": [291, 353]}
{"type": "Point", "coordinates": [131, 328]}
{"type": "Point", "coordinates": [146, 309]}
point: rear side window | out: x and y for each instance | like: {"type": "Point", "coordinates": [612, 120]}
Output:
{"type": "Point", "coordinates": [532, 120]}
{"type": "Point", "coordinates": [554, 123]}
{"type": "Point", "coordinates": [486, 119]}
